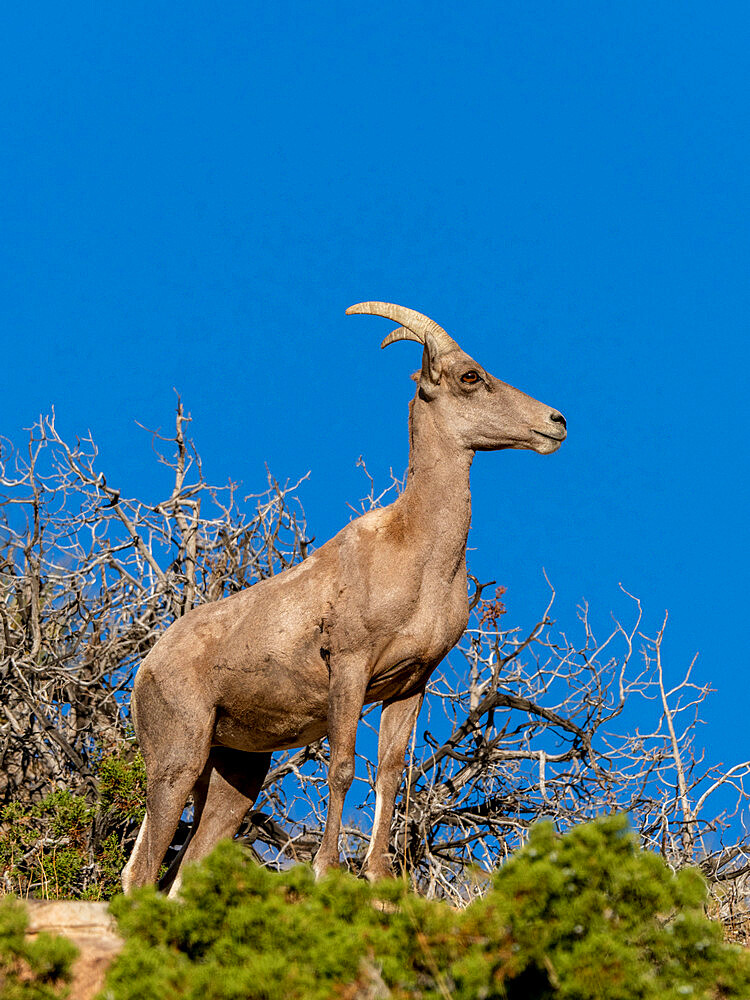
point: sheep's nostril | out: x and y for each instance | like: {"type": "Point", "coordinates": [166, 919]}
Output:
{"type": "Point", "coordinates": [557, 418]}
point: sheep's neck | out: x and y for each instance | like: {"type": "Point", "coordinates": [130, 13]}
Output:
{"type": "Point", "coordinates": [437, 499]}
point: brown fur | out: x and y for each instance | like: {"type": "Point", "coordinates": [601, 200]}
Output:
{"type": "Point", "coordinates": [367, 617]}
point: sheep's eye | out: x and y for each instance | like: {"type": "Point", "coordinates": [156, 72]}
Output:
{"type": "Point", "coordinates": [470, 378]}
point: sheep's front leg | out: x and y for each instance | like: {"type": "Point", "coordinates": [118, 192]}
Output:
{"type": "Point", "coordinates": [345, 698]}
{"type": "Point", "coordinates": [396, 724]}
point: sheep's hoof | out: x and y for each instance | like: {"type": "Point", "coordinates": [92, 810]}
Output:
{"type": "Point", "coordinates": [321, 867]}
{"type": "Point", "coordinates": [374, 873]}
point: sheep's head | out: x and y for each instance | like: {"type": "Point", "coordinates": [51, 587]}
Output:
{"type": "Point", "coordinates": [482, 412]}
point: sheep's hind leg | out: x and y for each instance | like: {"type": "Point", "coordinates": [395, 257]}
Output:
{"type": "Point", "coordinates": [175, 747]}
{"type": "Point", "coordinates": [200, 790]}
{"type": "Point", "coordinates": [167, 790]}
{"type": "Point", "coordinates": [232, 780]}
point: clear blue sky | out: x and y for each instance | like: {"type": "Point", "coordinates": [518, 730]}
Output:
{"type": "Point", "coordinates": [193, 193]}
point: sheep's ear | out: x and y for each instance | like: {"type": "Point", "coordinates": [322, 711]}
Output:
{"type": "Point", "coordinates": [429, 377]}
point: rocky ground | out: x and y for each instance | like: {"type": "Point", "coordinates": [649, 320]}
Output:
{"type": "Point", "coordinates": [91, 928]}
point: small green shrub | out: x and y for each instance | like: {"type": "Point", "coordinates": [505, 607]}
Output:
{"type": "Point", "coordinates": [31, 970]}
{"type": "Point", "coordinates": [69, 847]}
{"type": "Point", "coordinates": [586, 916]}
{"type": "Point", "coordinates": [122, 783]}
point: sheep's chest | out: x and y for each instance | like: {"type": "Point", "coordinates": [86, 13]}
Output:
{"type": "Point", "coordinates": [417, 648]}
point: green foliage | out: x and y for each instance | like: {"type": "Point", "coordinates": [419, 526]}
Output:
{"type": "Point", "coordinates": [589, 915]}
{"type": "Point", "coordinates": [586, 916]}
{"type": "Point", "coordinates": [31, 970]}
{"type": "Point", "coordinates": [65, 847]}
{"type": "Point", "coordinates": [122, 784]}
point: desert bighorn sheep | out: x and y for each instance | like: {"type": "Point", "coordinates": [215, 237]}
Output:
{"type": "Point", "coordinates": [367, 617]}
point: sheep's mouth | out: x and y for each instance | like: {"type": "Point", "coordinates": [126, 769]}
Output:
{"type": "Point", "coordinates": [550, 437]}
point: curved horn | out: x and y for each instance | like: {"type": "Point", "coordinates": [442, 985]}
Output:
{"type": "Point", "coordinates": [400, 333]}
{"type": "Point", "coordinates": [414, 322]}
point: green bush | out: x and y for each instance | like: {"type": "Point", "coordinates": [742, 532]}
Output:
{"type": "Point", "coordinates": [31, 970]}
{"type": "Point", "coordinates": [586, 916]}
{"type": "Point", "coordinates": [68, 846]}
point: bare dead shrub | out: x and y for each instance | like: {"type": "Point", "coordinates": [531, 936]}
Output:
{"type": "Point", "coordinates": [516, 727]}
{"type": "Point", "coordinates": [89, 578]}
